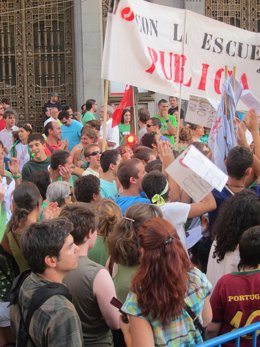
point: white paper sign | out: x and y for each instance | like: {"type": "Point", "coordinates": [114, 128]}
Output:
{"type": "Point", "coordinates": [200, 111]}
{"type": "Point", "coordinates": [251, 102]}
{"type": "Point", "coordinates": [196, 174]}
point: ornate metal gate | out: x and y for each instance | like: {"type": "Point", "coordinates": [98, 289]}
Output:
{"type": "Point", "coordinates": [241, 13]}
{"type": "Point", "coordinates": [36, 54]}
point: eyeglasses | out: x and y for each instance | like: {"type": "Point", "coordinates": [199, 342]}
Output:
{"type": "Point", "coordinates": [94, 153]}
{"type": "Point", "coordinates": [149, 125]}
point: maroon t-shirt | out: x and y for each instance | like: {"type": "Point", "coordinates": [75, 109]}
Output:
{"type": "Point", "coordinates": [235, 303]}
{"type": "Point", "coordinates": [2, 124]}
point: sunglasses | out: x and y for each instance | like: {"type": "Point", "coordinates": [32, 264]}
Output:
{"type": "Point", "coordinates": [149, 125]}
{"type": "Point", "coordinates": [94, 153]}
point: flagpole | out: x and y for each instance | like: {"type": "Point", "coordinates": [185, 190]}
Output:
{"type": "Point", "coordinates": [225, 95]}
{"type": "Point", "coordinates": [135, 110]}
{"type": "Point", "coordinates": [179, 104]}
{"type": "Point", "coordinates": [104, 126]}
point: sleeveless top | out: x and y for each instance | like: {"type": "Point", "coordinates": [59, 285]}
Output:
{"type": "Point", "coordinates": [80, 281]}
{"type": "Point", "coordinates": [122, 280]}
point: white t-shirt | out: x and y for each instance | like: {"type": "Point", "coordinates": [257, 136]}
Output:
{"type": "Point", "coordinates": [112, 134]}
{"type": "Point", "coordinates": [9, 188]}
{"type": "Point", "coordinates": [177, 214]}
{"type": "Point", "coordinates": [22, 154]}
{"type": "Point", "coordinates": [90, 171]}
{"type": "Point", "coordinates": [216, 270]}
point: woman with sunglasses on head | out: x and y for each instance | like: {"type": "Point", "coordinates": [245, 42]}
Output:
{"type": "Point", "coordinates": [166, 292]}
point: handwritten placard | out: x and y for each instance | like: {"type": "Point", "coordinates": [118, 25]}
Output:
{"type": "Point", "coordinates": [196, 174]}
{"type": "Point", "coordinates": [200, 111]}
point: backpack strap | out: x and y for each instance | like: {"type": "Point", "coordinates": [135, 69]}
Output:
{"type": "Point", "coordinates": [17, 283]}
{"type": "Point", "coordinates": [194, 318]}
{"type": "Point", "coordinates": [38, 299]}
{"type": "Point", "coordinates": [40, 296]}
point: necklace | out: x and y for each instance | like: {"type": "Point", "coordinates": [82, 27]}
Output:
{"type": "Point", "coordinates": [235, 186]}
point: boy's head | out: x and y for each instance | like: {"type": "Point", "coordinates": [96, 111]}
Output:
{"type": "Point", "coordinates": [92, 154]}
{"type": "Point", "coordinates": [249, 248]}
{"type": "Point", "coordinates": [239, 162]}
{"type": "Point", "coordinates": [61, 158]}
{"type": "Point", "coordinates": [10, 117]}
{"type": "Point", "coordinates": [87, 189]}
{"type": "Point", "coordinates": [154, 185]}
{"type": "Point", "coordinates": [49, 245]}
{"type": "Point", "coordinates": [36, 145]}
{"type": "Point", "coordinates": [110, 160]}
{"type": "Point", "coordinates": [84, 220]}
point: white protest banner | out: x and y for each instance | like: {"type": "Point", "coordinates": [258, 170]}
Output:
{"type": "Point", "coordinates": [196, 174]}
{"type": "Point", "coordinates": [200, 111]}
{"type": "Point", "coordinates": [160, 48]}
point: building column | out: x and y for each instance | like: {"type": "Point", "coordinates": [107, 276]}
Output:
{"type": "Point", "coordinates": [195, 6]}
{"type": "Point", "coordinates": [88, 48]}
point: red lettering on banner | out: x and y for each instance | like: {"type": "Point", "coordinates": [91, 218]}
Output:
{"type": "Point", "coordinates": [203, 79]}
{"type": "Point", "coordinates": [162, 56]}
{"type": "Point", "coordinates": [154, 58]}
{"type": "Point", "coordinates": [173, 68]}
{"type": "Point", "coordinates": [244, 81]}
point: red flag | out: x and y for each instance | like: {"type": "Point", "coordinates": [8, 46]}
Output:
{"type": "Point", "coordinates": [127, 101]}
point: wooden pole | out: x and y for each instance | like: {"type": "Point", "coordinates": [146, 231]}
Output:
{"type": "Point", "coordinates": [234, 78]}
{"type": "Point", "coordinates": [226, 96]}
{"type": "Point", "coordinates": [134, 123]}
{"type": "Point", "coordinates": [179, 123]}
{"type": "Point", "coordinates": [104, 126]}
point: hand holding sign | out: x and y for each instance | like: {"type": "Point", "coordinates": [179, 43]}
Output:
{"type": "Point", "coordinates": [196, 174]}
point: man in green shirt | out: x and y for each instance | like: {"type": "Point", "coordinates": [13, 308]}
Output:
{"type": "Point", "coordinates": [39, 160]}
{"type": "Point", "coordinates": [91, 108]}
{"type": "Point", "coordinates": [168, 122]}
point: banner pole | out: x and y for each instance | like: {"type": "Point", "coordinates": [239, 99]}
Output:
{"type": "Point", "coordinates": [226, 96]}
{"type": "Point", "coordinates": [104, 126]}
{"type": "Point", "coordinates": [234, 78]}
{"type": "Point", "coordinates": [179, 103]}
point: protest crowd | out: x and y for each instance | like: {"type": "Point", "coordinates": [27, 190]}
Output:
{"type": "Point", "coordinates": [120, 250]}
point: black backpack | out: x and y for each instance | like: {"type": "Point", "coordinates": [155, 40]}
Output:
{"type": "Point", "coordinates": [39, 297]}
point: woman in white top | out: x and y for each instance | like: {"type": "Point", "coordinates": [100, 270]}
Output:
{"type": "Point", "coordinates": [236, 215]}
{"type": "Point", "coordinates": [20, 149]}
{"type": "Point", "coordinates": [155, 186]}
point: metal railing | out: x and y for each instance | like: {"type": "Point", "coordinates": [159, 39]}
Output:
{"type": "Point", "coordinates": [234, 335]}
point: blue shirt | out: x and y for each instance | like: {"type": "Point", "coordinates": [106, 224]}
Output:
{"type": "Point", "coordinates": [108, 190]}
{"type": "Point", "coordinates": [126, 201]}
{"type": "Point", "coordinates": [71, 132]}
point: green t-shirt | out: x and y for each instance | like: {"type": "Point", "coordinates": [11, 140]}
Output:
{"type": "Point", "coordinates": [88, 116]}
{"type": "Point", "coordinates": [164, 126]}
{"type": "Point", "coordinates": [32, 166]}
{"type": "Point", "coordinates": [123, 131]}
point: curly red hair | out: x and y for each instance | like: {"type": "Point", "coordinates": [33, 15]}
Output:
{"type": "Point", "coordinates": [161, 280]}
